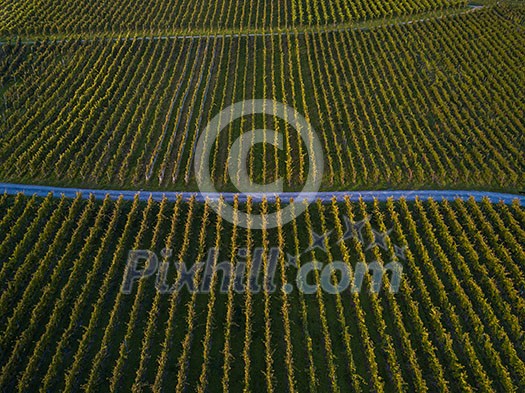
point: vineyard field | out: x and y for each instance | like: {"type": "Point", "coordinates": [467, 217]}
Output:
{"type": "Point", "coordinates": [427, 105]}
{"type": "Point", "coordinates": [65, 324]}
{"type": "Point", "coordinates": [44, 18]}
{"type": "Point", "coordinates": [262, 196]}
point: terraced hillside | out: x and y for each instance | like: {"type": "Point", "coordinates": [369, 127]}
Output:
{"type": "Point", "coordinates": [455, 325]}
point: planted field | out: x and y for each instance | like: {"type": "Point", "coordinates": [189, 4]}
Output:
{"type": "Point", "coordinates": [455, 325]}
{"type": "Point", "coordinates": [43, 18]}
{"type": "Point", "coordinates": [436, 104]}
{"type": "Point", "coordinates": [267, 99]}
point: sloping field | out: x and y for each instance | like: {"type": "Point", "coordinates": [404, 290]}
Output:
{"type": "Point", "coordinates": [435, 104]}
{"type": "Point", "coordinates": [58, 18]}
{"type": "Point", "coordinates": [113, 293]}
{"type": "Point", "coordinates": [455, 325]}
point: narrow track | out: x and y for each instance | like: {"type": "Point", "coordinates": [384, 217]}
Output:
{"type": "Point", "coordinates": [324, 196]}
